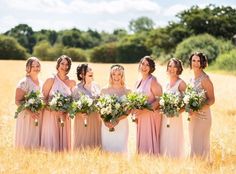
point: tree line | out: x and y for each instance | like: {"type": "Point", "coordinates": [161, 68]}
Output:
{"type": "Point", "coordinates": [211, 29]}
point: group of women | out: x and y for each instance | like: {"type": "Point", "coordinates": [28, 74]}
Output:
{"type": "Point", "coordinates": [153, 137]}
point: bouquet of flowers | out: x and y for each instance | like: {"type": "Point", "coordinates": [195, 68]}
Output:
{"type": "Point", "coordinates": [193, 99]}
{"type": "Point", "coordinates": [83, 105]}
{"type": "Point", "coordinates": [110, 108]}
{"type": "Point", "coordinates": [170, 105]}
{"type": "Point", "coordinates": [136, 100]}
{"type": "Point", "coordinates": [60, 103]}
{"type": "Point", "coordinates": [32, 101]}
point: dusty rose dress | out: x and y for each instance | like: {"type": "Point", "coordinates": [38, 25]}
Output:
{"type": "Point", "coordinates": [199, 127]}
{"type": "Point", "coordinates": [90, 136]}
{"type": "Point", "coordinates": [172, 138]}
{"type": "Point", "coordinates": [54, 136]}
{"type": "Point", "coordinates": [149, 122]}
{"type": "Point", "coordinates": [27, 135]}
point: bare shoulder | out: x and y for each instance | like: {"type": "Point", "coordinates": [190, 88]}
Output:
{"type": "Point", "coordinates": [155, 81]}
{"type": "Point", "coordinates": [206, 81]}
{"type": "Point", "coordinates": [182, 85]}
{"type": "Point", "coordinates": [49, 81]}
{"type": "Point", "coordinates": [72, 83]}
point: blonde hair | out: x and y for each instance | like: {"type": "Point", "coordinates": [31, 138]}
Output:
{"type": "Point", "coordinates": [29, 63]}
{"type": "Point", "coordinates": [117, 68]}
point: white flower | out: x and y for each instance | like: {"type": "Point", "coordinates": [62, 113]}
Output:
{"type": "Point", "coordinates": [162, 102]}
{"type": "Point", "coordinates": [117, 106]}
{"type": "Point", "coordinates": [31, 101]}
{"type": "Point", "coordinates": [103, 111]}
{"type": "Point", "coordinates": [79, 104]}
{"type": "Point", "coordinates": [186, 99]}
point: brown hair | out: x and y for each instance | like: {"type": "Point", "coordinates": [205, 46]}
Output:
{"type": "Point", "coordinates": [150, 62]}
{"type": "Point", "coordinates": [81, 71]}
{"type": "Point", "coordinates": [68, 59]}
{"type": "Point", "coordinates": [178, 65]}
{"type": "Point", "coordinates": [203, 59]}
{"type": "Point", "coordinates": [29, 63]}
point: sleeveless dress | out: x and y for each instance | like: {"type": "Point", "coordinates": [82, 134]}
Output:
{"type": "Point", "coordinates": [90, 136]}
{"type": "Point", "coordinates": [116, 141]}
{"type": "Point", "coordinates": [27, 135]}
{"type": "Point", "coordinates": [55, 137]}
{"type": "Point", "coordinates": [199, 128]}
{"type": "Point", "coordinates": [172, 138]}
{"type": "Point", "coordinates": [149, 122]}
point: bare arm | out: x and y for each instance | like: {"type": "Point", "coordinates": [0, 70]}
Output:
{"type": "Point", "coordinates": [156, 89]}
{"type": "Point", "coordinates": [209, 88]}
{"type": "Point", "coordinates": [47, 87]}
{"type": "Point", "coordinates": [182, 87]}
{"type": "Point", "coordinates": [19, 96]}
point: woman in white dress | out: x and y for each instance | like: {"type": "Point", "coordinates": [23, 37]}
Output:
{"type": "Point", "coordinates": [172, 138]}
{"type": "Point", "coordinates": [116, 141]}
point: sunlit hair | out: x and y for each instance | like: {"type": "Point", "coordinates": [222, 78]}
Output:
{"type": "Point", "coordinates": [203, 59]}
{"type": "Point", "coordinates": [81, 71]}
{"type": "Point", "coordinates": [150, 62]}
{"type": "Point", "coordinates": [68, 59]}
{"type": "Point", "coordinates": [29, 63]}
{"type": "Point", "coordinates": [119, 68]}
{"type": "Point", "coordinates": [178, 65]}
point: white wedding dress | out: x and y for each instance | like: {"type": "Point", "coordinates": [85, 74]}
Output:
{"type": "Point", "coordinates": [116, 141]}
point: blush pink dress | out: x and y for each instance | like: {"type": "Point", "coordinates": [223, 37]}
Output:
{"type": "Point", "coordinates": [149, 122]}
{"type": "Point", "coordinates": [90, 136]}
{"type": "Point", "coordinates": [54, 136]}
{"type": "Point", "coordinates": [172, 138]}
{"type": "Point", "coordinates": [27, 135]}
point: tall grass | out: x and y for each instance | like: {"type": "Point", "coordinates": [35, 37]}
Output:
{"type": "Point", "coordinates": [223, 141]}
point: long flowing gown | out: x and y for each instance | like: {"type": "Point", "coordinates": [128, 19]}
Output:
{"type": "Point", "coordinates": [54, 136]}
{"type": "Point", "coordinates": [116, 141]}
{"type": "Point", "coordinates": [172, 138]}
{"type": "Point", "coordinates": [200, 126]}
{"type": "Point", "coordinates": [90, 136]}
{"type": "Point", "coordinates": [148, 126]}
{"type": "Point", "coordinates": [27, 135]}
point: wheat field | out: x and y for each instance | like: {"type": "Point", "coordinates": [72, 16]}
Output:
{"type": "Point", "coordinates": [223, 137]}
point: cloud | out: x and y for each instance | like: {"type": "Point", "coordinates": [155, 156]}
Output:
{"type": "Point", "coordinates": [174, 9]}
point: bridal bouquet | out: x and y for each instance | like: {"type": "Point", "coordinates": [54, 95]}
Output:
{"type": "Point", "coordinates": [60, 103]}
{"type": "Point", "coordinates": [170, 105]}
{"type": "Point", "coordinates": [193, 99]}
{"type": "Point", "coordinates": [110, 108]}
{"type": "Point", "coordinates": [32, 101]}
{"type": "Point", "coordinates": [136, 100]}
{"type": "Point", "coordinates": [83, 105]}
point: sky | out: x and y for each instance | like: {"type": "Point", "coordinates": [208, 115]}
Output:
{"type": "Point", "coordinates": [100, 15]}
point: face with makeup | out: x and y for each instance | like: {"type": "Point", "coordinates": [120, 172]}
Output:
{"type": "Point", "coordinates": [89, 75]}
{"type": "Point", "coordinates": [144, 67]}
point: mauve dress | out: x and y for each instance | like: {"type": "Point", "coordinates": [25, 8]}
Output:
{"type": "Point", "coordinates": [54, 136]}
{"type": "Point", "coordinates": [149, 122]}
{"type": "Point", "coordinates": [90, 136]}
{"type": "Point", "coordinates": [27, 135]}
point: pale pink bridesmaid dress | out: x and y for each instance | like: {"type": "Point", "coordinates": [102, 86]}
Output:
{"type": "Point", "coordinates": [148, 126]}
{"type": "Point", "coordinates": [54, 136]}
{"type": "Point", "coordinates": [172, 138]}
{"type": "Point", "coordinates": [27, 135]}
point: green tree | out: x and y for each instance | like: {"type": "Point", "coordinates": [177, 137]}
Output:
{"type": "Point", "coordinates": [11, 49]}
{"type": "Point", "coordinates": [141, 24]}
{"type": "Point", "coordinates": [24, 35]}
{"type": "Point", "coordinates": [217, 21]}
{"type": "Point", "coordinates": [204, 43]}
